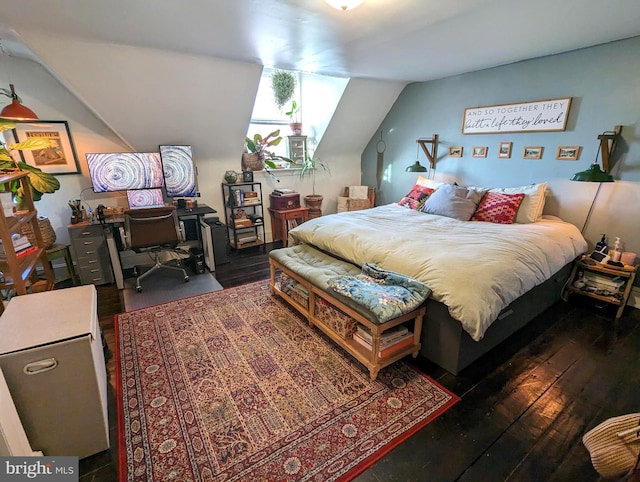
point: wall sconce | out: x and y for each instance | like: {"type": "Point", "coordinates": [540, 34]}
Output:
{"type": "Point", "coordinates": [344, 4]}
{"type": "Point", "coordinates": [608, 142]}
{"type": "Point", "coordinates": [431, 153]}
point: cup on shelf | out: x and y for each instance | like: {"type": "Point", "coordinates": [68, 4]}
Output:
{"type": "Point", "coordinates": [628, 257]}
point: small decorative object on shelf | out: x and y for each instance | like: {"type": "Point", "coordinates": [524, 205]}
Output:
{"type": "Point", "coordinates": [230, 177]}
{"type": "Point", "coordinates": [247, 175]}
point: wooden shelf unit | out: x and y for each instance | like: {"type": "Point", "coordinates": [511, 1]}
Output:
{"type": "Point", "coordinates": [585, 264]}
{"type": "Point", "coordinates": [20, 272]}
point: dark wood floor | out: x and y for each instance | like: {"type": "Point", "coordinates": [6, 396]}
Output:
{"type": "Point", "coordinates": [524, 407]}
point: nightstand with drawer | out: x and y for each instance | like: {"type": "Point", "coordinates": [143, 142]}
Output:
{"type": "Point", "coordinates": [92, 254]}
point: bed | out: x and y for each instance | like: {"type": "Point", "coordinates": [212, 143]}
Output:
{"type": "Point", "coordinates": [488, 279]}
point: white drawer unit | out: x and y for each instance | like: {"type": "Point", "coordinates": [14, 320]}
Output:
{"type": "Point", "coordinates": [52, 359]}
{"type": "Point", "coordinates": [92, 254]}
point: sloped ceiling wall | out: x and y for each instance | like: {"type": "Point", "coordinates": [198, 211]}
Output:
{"type": "Point", "coordinates": [146, 97]}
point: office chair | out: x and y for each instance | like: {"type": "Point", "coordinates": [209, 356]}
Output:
{"type": "Point", "coordinates": [152, 230]}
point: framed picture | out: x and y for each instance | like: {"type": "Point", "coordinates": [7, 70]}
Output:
{"type": "Point", "coordinates": [568, 153]}
{"type": "Point", "coordinates": [532, 152]}
{"type": "Point", "coordinates": [455, 151]}
{"type": "Point", "coordinates": [247, 176]}
{"type": "Point", "coordinates": [60, 158]}
{"type": "Point", "coordinates": [504, 150]}
{"type": "Point", "coordinates": [479, 151]}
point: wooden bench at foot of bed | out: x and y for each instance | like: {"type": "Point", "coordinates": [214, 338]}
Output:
{"type": "Point", "coordinates": [309, 269]}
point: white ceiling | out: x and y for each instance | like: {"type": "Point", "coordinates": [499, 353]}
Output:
{"type": "Point", "coordinates": [403, 40]}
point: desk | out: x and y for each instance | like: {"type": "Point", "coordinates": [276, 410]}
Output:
{"type": "Point", "coordinates": [282, 220]}
{"type": "Point", "coordinates": [110, 232]}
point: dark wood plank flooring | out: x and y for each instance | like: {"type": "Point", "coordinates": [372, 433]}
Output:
{"type": "Point", "coordinates": [524, 407]}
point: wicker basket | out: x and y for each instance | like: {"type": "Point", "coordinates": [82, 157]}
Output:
{"type": "Point", "coordinates": [614, 445]}
{"type": "Point", "coordinates": [46, 230]}
{"type": "Point", "coordinates": [251, 162]}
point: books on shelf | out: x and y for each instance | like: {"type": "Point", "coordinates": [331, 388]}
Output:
{"type": "Point", "coordinates": [26, 251]}
{"type": "Point", "coordinates": [20, 243]}
{"type": "Point", "coordinates": [281, 191]}
{"type": "Point", "coordinates": [245, 198]}
{"type": "Point", "coordinates": [389, 347]}
{"type": "Point", "coordinates": [387, 338]}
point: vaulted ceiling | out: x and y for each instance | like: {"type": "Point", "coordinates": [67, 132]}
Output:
{"type": "Point", "coordinates": [400, 40]}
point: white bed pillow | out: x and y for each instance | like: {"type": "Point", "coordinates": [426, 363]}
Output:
{"type": "Point", "coordinates": [532, 205]}
{"type": "Point", "coordinates": [430, 183]}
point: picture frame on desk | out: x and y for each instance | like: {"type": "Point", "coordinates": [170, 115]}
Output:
{"type": "Point", "coordinates": [60, 158]}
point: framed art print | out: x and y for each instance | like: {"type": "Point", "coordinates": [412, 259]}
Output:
{"type": "Point", "coordinates": [568, 153]}
{"type": "Point", "coordinates": [59, 158]}
{"type": "Point", "coordinates": [455, 151]}
{"type": "Point", "coordinates": [504, 150]}
{"type": "Point", "coordinates": [479, 151]}
{"type": "Point", "coordinates": [532, 152]}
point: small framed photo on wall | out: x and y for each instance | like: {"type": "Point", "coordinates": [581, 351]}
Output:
{"type": "Point", "coordinates": [568, 153]}
{"type": "Point", "coordinates": [532, 152]}
{"type": "Point", "coordinates": [479, 151]}
{"type": "Point", "coordinates": [455, 151]}
{"type": "Point", "coordinates": [504, 150]}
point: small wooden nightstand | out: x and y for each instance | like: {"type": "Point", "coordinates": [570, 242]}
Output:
{"type": "Point", "coordinates": [625, 275]}
{"type": "Point", "coordinates": [282, 220]}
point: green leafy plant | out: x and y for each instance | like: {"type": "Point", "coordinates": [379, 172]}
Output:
{"type": "Point", "coordinates": [309, 167]}
{"type": "Point", "coordinates": [40, 182]}
{"type": "Point", "coordinates": [283, 84]}
{"type": "Point", "coordinates": [258, 145]}
{"type": "Point", "coordinates": [293, 111]}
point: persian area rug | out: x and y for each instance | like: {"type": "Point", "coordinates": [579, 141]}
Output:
{"type": "Point", "coordinates": [234, 385]}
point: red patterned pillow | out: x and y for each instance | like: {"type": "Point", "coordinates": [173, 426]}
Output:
{"type": "Point", "coordinates": [498, 208]}
{"type": "Point", "coordinates": [416, 197]}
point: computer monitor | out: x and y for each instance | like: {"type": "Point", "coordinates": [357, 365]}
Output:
{"type": "Point", "coordinates": [145, 198]}
{"type": "Point", "coordinates": [122, 171]}
{"type": "Point", "coordinates": [179, 171]}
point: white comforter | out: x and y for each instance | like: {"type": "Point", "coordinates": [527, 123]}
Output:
{"type": "Point", "coordinates": [475, 268]}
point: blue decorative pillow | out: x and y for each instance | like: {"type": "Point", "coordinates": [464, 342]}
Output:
{"type": "Point", "coordinates": [453, 201]}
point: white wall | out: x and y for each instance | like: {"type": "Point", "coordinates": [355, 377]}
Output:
{"type": "Point", "coordinates": [118, 97]}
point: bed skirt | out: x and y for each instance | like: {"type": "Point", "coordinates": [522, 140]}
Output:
{"type": "Point", "coordinates": [445, 343]}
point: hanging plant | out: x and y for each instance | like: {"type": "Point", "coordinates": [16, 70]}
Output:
{"type": "Point", "coordinates": [283, 84]}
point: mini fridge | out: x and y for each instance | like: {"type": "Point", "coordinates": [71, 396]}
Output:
{"type": "Point", "coordinates": [52, 359]}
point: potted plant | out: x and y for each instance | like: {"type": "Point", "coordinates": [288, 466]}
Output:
{"type": "Point", "coordinates": [308, 168]}
{"type": "Point", "coordinates": [40, 182]}
{"type": "Point", "coordinates": [294, 122]}
{"type": "Point", "coordinates": [257, 150]}
{"type": "Point", "coordinates": [283, 84]}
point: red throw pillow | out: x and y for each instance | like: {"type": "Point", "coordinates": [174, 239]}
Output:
{"type": "Point", "coordinates": [416, 197]}
{"type": "Point", "coordinates": [498, 208]}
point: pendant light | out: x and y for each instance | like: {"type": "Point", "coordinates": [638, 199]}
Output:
{"type": "Point", "coordinates": [344, 4]}
{"type": "Point", "coordinates": [16, 110]}
{"type": "Point", "coordinates": [416, 166]}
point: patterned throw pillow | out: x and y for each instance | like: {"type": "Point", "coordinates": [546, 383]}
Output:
{"type": "Point", "coordinates": [498, 208]}
{"type": "Point", "coordinates": [416, 197]}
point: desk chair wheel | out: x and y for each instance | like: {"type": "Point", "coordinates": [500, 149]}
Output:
{"type": "Point", "coordinates": [186, 279]}
{"type": "Point", "coordinates": [139, 289]}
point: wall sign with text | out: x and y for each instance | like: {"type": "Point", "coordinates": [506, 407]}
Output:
{"type": "Point", "coordinates": [541, 115]}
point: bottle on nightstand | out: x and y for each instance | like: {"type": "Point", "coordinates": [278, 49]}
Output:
{"type": "Point", "coordinates": [616, 251]}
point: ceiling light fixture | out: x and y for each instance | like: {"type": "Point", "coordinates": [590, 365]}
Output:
{"type": "Point", "coordinates": [16, 110]}
{"type": "Point", "coordinates": [344, 4]}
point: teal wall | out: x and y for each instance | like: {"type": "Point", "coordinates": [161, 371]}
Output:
{"type": "Point", "coordinates": [604, 84]}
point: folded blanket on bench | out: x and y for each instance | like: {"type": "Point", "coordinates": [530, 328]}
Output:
{"type": "Point", "coordinates": [385, 293]}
